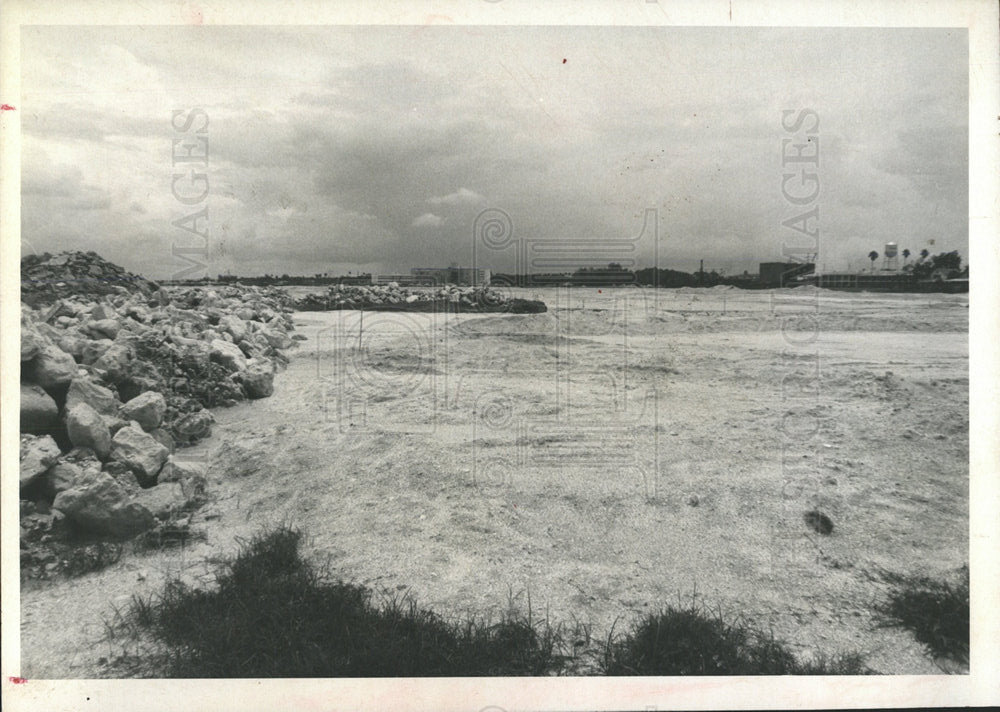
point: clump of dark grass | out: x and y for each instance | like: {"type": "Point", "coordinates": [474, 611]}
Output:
{"type": "Point", "coordinates": [693, 640]}
{"type": "Point", "coordinates": [272, 614]}
{"type": "Point", "coordinates": [935, 611]}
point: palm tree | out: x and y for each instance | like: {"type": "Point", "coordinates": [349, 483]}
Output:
{"type": "Point", "coordinates": [873, 255]}
{"type": "Point", "coordinates": [924, 254]}
{"type": "Point", "coordinates": [906, 255]}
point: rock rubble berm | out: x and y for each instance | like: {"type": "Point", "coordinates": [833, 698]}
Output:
{"type": "Point", "coordinates": [117, 373]}
{"type": "Point", "coordinates": [46, 278]}
{"type": "Point", "coordinates": [392, 297]}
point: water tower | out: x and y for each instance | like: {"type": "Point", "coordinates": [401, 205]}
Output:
{"type": "Point", "coordinates": [891, 257]}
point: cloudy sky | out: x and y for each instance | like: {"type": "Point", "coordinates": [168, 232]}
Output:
{"type": "Point", "coordinates": [336, 149]}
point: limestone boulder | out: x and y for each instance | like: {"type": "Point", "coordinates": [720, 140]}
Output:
{"type": "Point", "coordinates": [147, 409]}
{"type": "Point", "coordinates": [86, 428]}
{"type": "Point", "coordinates": [91, 351]}
{"type": "Point", "coordinates": [32, 340]}
{"type": "Point", "coordinates": [39, 413]}
{"type": "Point", "coordinates": [115, 360]}
{"type": "Point", "coordinates": [140, 451]}
{"type": "Point", "coordinates": [73, 342]}
{"type": "Point", "coordinates": [228, 355]}
{"type": "Point", "coordinates": [100, 505]}
{"type": "Point", "coordinates": [103, 328]}
{"type": "Point", "coordinates": [101, 399]}
{"type": "Point", "coordinates": [234, 326]}
{"type": "Point", "coordinates": [163, 436]}
{"type": "Point", "coordinates": [51, 368]}
{"type": "Point", "coordinates": [102, 311]}
{"type": "Point", "coordinates": [276, 338]}
{"type": "Point", "coordinates": [139, 376]}
{"type": "Point", "coordinates": [66, 475]}
{"type": "Point", "coordinates": [164, 501]}
{"type": "Point", "coordinates": [37, 455]}
{"type": "Point", "coordinates": [258, 378]}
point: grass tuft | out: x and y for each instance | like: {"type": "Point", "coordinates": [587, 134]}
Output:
{"type": "Point", "coordinates": [693, 640]}
{"type": "Point", "coordinates": [935, 611]}
{"type": "Point", "coordinates": [273, 615]}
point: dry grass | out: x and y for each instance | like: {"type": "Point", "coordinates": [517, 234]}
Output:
{"type": "Point", "coordinates": [935, 611]}
{"type": "Point", "coordinates": [272, 614]}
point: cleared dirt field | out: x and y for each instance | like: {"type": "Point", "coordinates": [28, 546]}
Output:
{"type": "Point", "coordinates": [623, 450]}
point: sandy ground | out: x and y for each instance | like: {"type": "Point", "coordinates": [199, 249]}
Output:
{"type": "Point", "coordinates": [626, 450]}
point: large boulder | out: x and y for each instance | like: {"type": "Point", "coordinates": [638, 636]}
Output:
{"type": "Point", "coordinates": [51, 368]}
{"type": "Point", "coordinates": [102, 312]}
{"type": "Point", "coordinates": [86, 428]}
{"type": "Point", "coordinates": [141, 452]}
{"type": "Point", "coordinates": [61, 308]}
{"type": "Point", "coordinates": [65, 475]}
{"type": "Point", "coordinates": [101, 399]}
{"type": "Point", "coordinates": [73, 343]}
{"type": "Point", "coordinates": [164, 501]}
{"type": "Point", "coordinates": [39, 413]}
{"type": "Point", "coordinates": [163, 436]}
{"type": "Point", "coordinates": [103, 328]}
{"type": "Point", "coordinates": [114, 362]}
{"type": "Point", "coordinates": [38, 454]}
{"type": "Point", "coordinates": [146, 409]}
{"type": "Point", "coordinates": [253, 349]}
{"type": "Point", "coordinates": [235, 326]}
{"type": "Point", "coordinates": [31, 340]}
{"type": "Point", "coordinates": [91, 351]}
{"type": "Point", "coordinates": [275, 337]}
{"type": "Point", "coordinates": [228, 355]}
{"type": "Point", "coordinates": [71, 469]}
{"type": "Point", "coordinates": [139, 376]}
{"type": "Point", "coordinates": [99, 504]}
{"type": "Point", "coordinates": [258, 378]}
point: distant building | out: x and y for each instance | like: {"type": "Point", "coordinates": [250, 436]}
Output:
{"type": "Point", "coordinates": [466, 276]}
{"type": "Point", "coordinates": [780, 274]}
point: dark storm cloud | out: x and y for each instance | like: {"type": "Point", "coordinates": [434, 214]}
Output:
{"type": "Point", "coordinates": [338, 146]}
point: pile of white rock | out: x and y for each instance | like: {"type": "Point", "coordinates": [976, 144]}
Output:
{"type": "Point", "coordinates": [391, 296]}
{"type": "Point", "coordinates": [112, 389]}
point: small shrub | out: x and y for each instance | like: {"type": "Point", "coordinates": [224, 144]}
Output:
{"type": "Point", "coordinates": [936, 612]}
{"type": "Point", "coordinates": [273, 615]}
{"type": "Point", "coordinates": [691, 640]}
